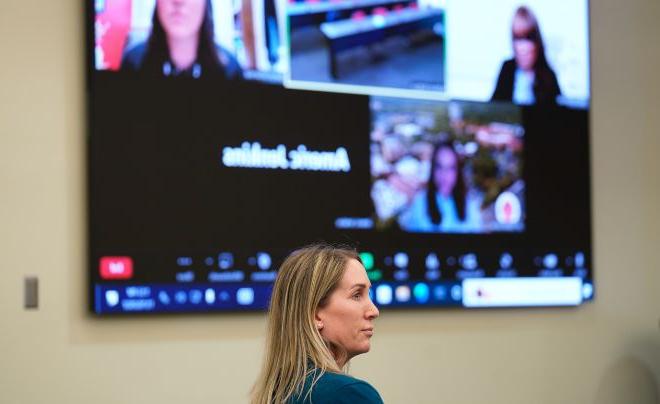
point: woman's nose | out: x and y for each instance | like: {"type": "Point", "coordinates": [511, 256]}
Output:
{"type": "Point", "coordinates": [373, 311]}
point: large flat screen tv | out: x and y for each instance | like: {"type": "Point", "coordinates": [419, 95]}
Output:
{"type": "Point", "coordinates": [446, 140]}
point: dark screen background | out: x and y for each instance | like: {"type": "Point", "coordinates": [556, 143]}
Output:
{"type": "Point", "coordinates": [158, 190]}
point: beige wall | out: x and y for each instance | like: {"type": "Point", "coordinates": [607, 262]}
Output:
{"type": "Point", "coordinates": [604, 352]}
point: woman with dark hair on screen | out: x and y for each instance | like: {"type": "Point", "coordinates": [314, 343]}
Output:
{"type": "Point", "coordinates": [181, 43]}
{"type": "Point", "coordinates": [527, 78]}
{"type": "Point", "coordinates": [443, 207]}
{"type": "Point", "coordinates": [320, 317]}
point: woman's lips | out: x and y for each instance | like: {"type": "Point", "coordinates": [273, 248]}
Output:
{"type": "Point", "coordinates": [177, 16]}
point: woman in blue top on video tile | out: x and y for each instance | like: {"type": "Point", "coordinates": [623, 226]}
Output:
{"type": "Point", "coordinates": [445, 205]}
{"type": "Point", "coordinates": [320, 317]}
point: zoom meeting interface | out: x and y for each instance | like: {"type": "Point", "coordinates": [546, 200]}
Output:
{"type": "Point", "coordinates": [446, 140]}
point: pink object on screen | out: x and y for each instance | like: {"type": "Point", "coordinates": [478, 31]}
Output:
{"type": "Point", "coordinates": [358, 15]}
{"type": "Point", "coordinates": [116, 267]}
{"type": "Point", "coordinates": [380, 11]}
{"type": "Point", "coordinates": [111, 28]}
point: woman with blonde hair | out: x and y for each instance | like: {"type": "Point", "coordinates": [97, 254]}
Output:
{"type": "Point", "coordinates": [320, 317]}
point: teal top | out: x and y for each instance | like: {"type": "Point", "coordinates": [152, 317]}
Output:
{"type": "Point", "coordinates": [335, 388]}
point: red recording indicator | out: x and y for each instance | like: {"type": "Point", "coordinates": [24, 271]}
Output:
{"type": "Point", "coordinates": [116, 267]}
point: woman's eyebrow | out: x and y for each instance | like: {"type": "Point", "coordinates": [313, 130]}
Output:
{"type": "Point", "coordinates": [359, 286]}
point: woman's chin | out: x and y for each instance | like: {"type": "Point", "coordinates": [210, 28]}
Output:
{"type": "Point", "coordinates": [365, 348]}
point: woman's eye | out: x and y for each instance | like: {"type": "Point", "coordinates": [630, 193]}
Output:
{"type": "Point", "coordinates": [356, 296]}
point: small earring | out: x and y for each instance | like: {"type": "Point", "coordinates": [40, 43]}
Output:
{"type": "Point", "coordinates": [319, 325]}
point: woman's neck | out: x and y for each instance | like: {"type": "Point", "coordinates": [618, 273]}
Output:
{"type": "Point", "coordinates": [341, 357]}
{"type": "Point", "coordinates": [183, 51]}
{"type": "Point", "coordinates": [445, 193]}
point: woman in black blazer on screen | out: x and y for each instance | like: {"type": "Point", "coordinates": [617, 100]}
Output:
{"type": "Point", "coordinates": [527, 78]}
{"type": "Point", "coordinates": [181, 43]}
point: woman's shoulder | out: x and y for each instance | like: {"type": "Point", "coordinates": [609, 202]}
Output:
{"type": "Point", "coordinates": [231, 66]}
{"type": "Point", "coordinates": [341, 388]}
{"type": "Point", "coordinates": [415, 216]}
{"type": "Point", "coordinates": [134, 56]}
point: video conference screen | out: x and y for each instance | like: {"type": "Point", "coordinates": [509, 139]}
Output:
{"type": "Point", "coordinates": [446, 140]}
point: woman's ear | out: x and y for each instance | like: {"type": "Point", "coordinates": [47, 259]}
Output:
{"type": "Point", "coordinates": [318, 320]}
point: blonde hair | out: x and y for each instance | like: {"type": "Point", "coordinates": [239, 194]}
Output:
{"type": "Point", "coordinates": [294, 346]}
